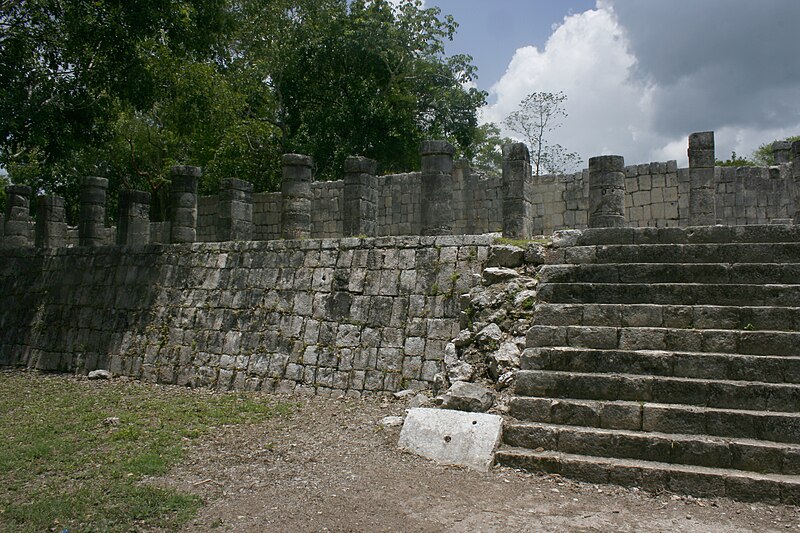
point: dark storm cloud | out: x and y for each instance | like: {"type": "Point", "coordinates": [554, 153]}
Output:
{"type": "Point", "coordinates": [716, 62]}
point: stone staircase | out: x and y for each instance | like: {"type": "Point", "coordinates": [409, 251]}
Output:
{"type": "Point", "coordinates": [667, 359]}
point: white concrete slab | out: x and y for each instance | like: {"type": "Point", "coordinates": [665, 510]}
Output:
{"type": "Point", "coordinates": [452, 437]}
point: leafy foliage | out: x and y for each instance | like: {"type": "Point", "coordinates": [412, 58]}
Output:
{"type": "Point", "coordinates": [763, 155]}
{"type": "Point", "coordinates": [126, 90]}
{"type": "Point", "coordinates": [487, 149]}
{"type": "Point", "coordinates": [539, 115]}
{"type": "Point", "coordinates": [735, 161]}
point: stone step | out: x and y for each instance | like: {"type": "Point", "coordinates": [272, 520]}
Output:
{"type": "Point", "coordinates": [717, 393]}
{"type": "Point", "coordinates": [780, 343]}
{"type": "Point", "coordinates": [713, 273]}
{"type": "Point", "coordinates": [781, 252]}
{"type": "Point", "coordinates": [668, 316]}
{"type": "Point", "coordinates": [658, 476]}
{"type": "Point", "coordinates": [671, 294]}
{"type": "Point", "coordinates": [686, 449]}
{"type": "Point", "coordinates": [772, 233]}
{"type": "Point", "coordinates": [662, 418]}
{"type": "Point", "coordinates": [731, 367]}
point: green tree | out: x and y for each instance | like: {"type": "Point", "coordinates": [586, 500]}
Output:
{"type": "Point", "coordinates": [735, 161]}
{"type": "Point", "coordinates": [125, 90]}
{"type": "Point", "coordinates": [361, 77]}
{"type": "Point", "coordinates": [487, 149]}
{"type": "Point", "coordinates": [763, 155]}
{"type": "Point", "coordinates": [539, 114]}
{"type": "Point", "coordinates": [72, 69]}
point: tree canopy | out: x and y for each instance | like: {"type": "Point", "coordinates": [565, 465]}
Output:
{"type": "Point", "coordinates": [763, 155]}
{"type": "Point", "coordinates": [539, 114]}
{"type": "Point", "coordinates": [127, 89]}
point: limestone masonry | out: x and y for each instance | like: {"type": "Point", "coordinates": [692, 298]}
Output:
{"type": "Point", "coordinates": [650, 339]}
{"type": "Point", "coordinates": [346, 315]}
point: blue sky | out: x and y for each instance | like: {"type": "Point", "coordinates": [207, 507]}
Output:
{"type": "Point", "coordinates": [492, 30]}
{"type": "Point", "coordinates": [640, 75]}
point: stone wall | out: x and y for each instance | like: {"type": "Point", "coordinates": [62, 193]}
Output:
{"type": "Point", "coordinates": [322, 315]}
{"type": "Point", "coordinates": [458, 200]}
{"type": "Point", "coordinates": [267, 216]}
{"type": "Point", "coordinates": [753, 195]}
{"type": "Point", "coordinates": [327, 209]}
{"type": "Point", "coordinates": [657, 195]}
{"type": "Point", "coordinates": [399, 204]}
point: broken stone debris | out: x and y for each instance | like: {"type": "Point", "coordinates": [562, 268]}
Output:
{"type": "Point", "coordinates": [466, 396]}
{"type": "Point", "coordinates": [505, 358]}
{"type": "Point", "coordinates": [391, 421]}
{"type": "Point", "coordinates": [492, 275]}
{"type": "Point", "coordinates": [565, 238]}
{"type": "Point", "coordinates": [535, 254]}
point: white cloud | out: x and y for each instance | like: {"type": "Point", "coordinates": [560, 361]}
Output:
{"type": "Point", "coordinates": [587, 58]}
{"type": "Point", "coordinates": [627, 92]}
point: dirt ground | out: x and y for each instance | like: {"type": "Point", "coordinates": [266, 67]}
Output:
{"type": "Point", "coordinates": [331, 467]}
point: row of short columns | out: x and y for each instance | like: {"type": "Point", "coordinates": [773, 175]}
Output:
{"type": "Point", "coordinates": [360, 201]}
{"type": "Point", "coordinates": [607, 186]}
{"type": "Point", "coordinates": [606, 192]}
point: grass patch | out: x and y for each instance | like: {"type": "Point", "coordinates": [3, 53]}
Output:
{"type": "Point", "coordinates": [63, 467]}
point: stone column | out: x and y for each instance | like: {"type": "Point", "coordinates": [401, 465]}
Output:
{"type": "Point", "coordinates": [360, 197]}
{"type": "Point", "coordinates": [92, 216]}
{"type": "Point", "coordinates": [702, 192]}
{"type": "Point", "coordinates": [51, 225]}
{"type": "Point", "coordinates": [607, 191]}
{"type": "Point", "coordinates": [517, 192]}
{"type": "Point", "coordinates": [183, 203]}
{"type": "Point", "coordinates": [437, 187]}
{"type": "Point", "coordinates": [133, 224]}
{"type": "Point", "coordinates": [296, 197]}
{"type": "Point", "coordinates": [796, 179]}
{"type": "Point", "coordinates": [235, 211]}
{"type": "Point", "coordinates": [17, 221]}
{"type": "Point", "coordinates": [781, 151]}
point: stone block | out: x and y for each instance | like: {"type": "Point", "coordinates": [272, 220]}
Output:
{"type": "Point", "coordinates": [465, 396]}
{"type": "Point", "coordinates": [452, 437]}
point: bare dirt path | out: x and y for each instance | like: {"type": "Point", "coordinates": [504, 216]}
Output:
{"type": "Point", "coordinates": [331, 467]}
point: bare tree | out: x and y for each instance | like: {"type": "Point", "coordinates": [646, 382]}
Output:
{"type": "Point", "coordinates": [539, 114]}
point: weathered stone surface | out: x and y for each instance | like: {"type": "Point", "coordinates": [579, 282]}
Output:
{"type": "Point", "coordinates": [472, 397]}
{"type": "Point", "coordinates": [436, 188]}
{"type": "Point", "coordinates": [391, 421]}
{"type": "Point", "coordinates": [460, 371]}
{"type": "Point", "coordinates": [606, 191]}
{"type": "Point", "coordinates": [490, 336]}
{"type": "Point", "coordinates": [452, 437]}
{"type": "Point", "coordinates": [492, 275]}
{"type": "Point", "coordinates": [99, 374]}
{"type": "Point", "coordinates": [504, 358]}
{"type": "Point", "coordinates": [565, 238]}
{"type": "Point", "coordinates": [463, 339]}
{"type": "Point", "coordinates": [505, 255]}
{"type": "Point", "coordinates": [535, 254]}
{"type": "Point", "coordinates": [237, 314]}
{"type": "Point", "coordinates": [525, 299]}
